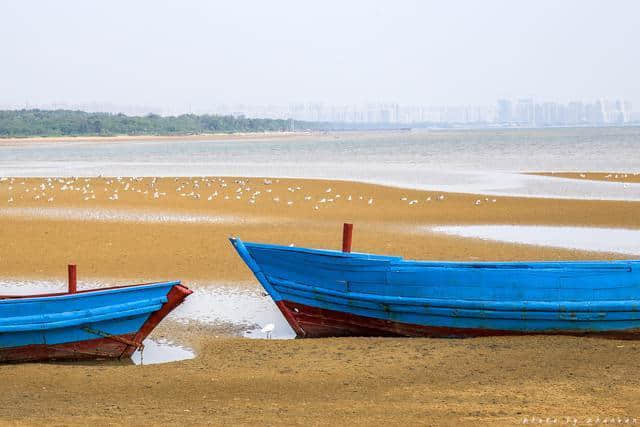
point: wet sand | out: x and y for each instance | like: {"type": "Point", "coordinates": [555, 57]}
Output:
{"type": "Point", "coordinates": [181, 234]}
{"type": "Point", "coordinates": [595, 176]}
{"type": "Point", "coordinates": [361, 381]}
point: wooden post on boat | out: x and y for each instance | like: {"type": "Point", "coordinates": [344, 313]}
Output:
{"type": "Point", "coordinates": [73, 278]}
{"type": "Point", "coordinates": [347, 234]}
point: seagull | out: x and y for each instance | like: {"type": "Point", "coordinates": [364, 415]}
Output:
{"type": "Point", "coordinates": [268, 329]}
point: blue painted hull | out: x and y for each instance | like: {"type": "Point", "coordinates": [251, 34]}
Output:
{"type": "Point", "coordinates": [329, 293]}
{"type": "Point", "coordinates": [107, 323]}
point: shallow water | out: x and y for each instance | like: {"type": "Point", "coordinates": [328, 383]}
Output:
{"type": "Point", "coordinates": [617, 240]}
{"type": "Point", "coordinates": [245, 310]}
{"type": "Point", "coordinates": [481, 161]}
{"type": "Point", "coordinates": [161, 351]}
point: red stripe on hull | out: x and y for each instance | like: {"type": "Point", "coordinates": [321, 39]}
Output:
{"type": "Point", "coordinates": [314, 322]}
{"type": "Point", "coordinates": [100, 348]}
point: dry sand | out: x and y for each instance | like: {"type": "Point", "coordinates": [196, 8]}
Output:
{"type": "Point", "coordinates": [324, 381]}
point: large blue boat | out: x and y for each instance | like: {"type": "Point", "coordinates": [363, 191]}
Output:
{"type": "Point", "coordinates": [92, 324]}
{"type": "Point", "coordinates": [329, 293]}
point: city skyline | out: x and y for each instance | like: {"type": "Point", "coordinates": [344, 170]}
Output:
{"type": "Point", "coordinates": [524, 111]}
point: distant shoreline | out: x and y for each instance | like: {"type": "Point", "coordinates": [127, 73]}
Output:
{"type": "Point", "coordinates": [115, 138]}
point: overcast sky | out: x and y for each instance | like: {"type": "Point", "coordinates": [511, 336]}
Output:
{"type": "Point", "coordinates": [182, 52]}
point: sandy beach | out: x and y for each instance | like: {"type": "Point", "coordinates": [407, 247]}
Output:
{"type": "Point", "coordinates": [145, 229]}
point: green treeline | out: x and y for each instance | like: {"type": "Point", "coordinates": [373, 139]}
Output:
{"type": "Point", "coordinates": [25, 123]}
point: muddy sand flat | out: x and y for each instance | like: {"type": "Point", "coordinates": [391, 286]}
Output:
{"type": "Point", "coordinates": [165, 228]}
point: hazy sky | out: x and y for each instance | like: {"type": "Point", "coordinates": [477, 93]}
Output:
{"type": "Point", "coordinates": [207, 52]}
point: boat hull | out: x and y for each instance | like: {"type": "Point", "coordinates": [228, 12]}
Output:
{"type": "Point", "coordinates": [99, 324]}
{"type": "Point", "coordinates": [328, 293]}
{"type": "Point", "coordinates": [314, 322]}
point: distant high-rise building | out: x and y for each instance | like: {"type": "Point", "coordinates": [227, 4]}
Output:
{"type": "Point", "coordinates": [504, 111]}
{"type": "Point", "coordinates": [595, 113]}
{"type": "Point", "coordinates": [575, 113]}
{"type": "Point", "coordinates": [525, 112]}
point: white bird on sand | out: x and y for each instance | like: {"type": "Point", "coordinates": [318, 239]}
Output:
{"type": "Point", "coordinates": [268, 329]}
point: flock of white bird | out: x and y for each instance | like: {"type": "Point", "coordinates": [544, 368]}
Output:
{"type": "Point", "coordinates": [201, 188]}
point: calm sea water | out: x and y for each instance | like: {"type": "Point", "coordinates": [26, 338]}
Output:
{"type": "Point", "coordinates": [488, 161]}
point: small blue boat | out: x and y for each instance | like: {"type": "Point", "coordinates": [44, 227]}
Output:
{"type": "Point", "coordinates": [329, 293]}
{"type": "Point", "coordinates": [94, 324]}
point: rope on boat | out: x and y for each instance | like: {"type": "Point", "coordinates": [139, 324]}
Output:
{"type": "Point", "coordinates": [137, 345]}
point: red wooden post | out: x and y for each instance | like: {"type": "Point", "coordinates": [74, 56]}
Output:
{"type": "Point", "coordinates": [73, 278]}
{"type": "Point", "coordinates": [347, 233]}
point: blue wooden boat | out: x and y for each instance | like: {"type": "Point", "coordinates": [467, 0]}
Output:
{"type": "Point", "coordinates": [329, 293]}
{"type": "Point", "coordinates": [92, 324]}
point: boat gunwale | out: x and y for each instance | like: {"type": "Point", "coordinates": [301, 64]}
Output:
{"type": "Point", "coordinates": [6, 299]}
{"type": "Point", "coordinates": [397, 261]}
